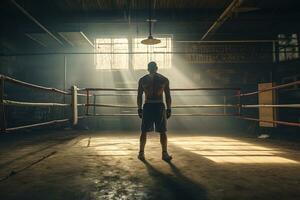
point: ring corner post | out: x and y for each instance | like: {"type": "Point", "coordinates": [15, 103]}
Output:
{"type": "Point", "coordinates": [2, 106]}
{"type": "Point", "coordinates": [74, 105]}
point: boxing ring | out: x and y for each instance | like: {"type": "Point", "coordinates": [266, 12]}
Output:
{"type": "Point", "coordinates": [90, 95]}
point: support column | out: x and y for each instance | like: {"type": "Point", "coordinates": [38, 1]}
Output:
{"type": "Point", "coordinates": [74, 106]}
{"type": "Point", "coordinates": [65, 84]}
{"type": "Point", "coordinates": [65, 76]}
{"type": "Point", "coordinates": [2, 107]}
{"type": "Point", "coordinates": [87, 102]}
{"type": "Point", "coordinates": [94, 104]}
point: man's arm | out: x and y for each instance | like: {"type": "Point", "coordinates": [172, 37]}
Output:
{"type": "Point", "coordinates": [140, 95]}
{"type": "Point", "coordinates": [168, 95]}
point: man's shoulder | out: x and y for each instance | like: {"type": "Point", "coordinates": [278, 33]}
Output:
{"type": "Point", "coordinates": [163, 77]}
{"type": "Point", "coordinates": [160, 76]}
{"type": "Point", "coordinates": [144, 77]}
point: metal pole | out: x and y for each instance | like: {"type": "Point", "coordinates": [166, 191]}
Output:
{"type": "Point", "coordinates": [74, 105]}
{"type": "Point", "coordinates": [65, 85]}
{"type": "Point", "coordinates": [87, 102]}
{"type": "Point", "coordinates": [94, 111]}
{"type": "Point", "coordinates": [274, 52]}
{"type": "Point", "coordinates": [65, 76]}
{"type": "Point", "coordinates": [94, 103]}
{"type": "Point", "coordinates": [65, 72]}
{"type": "Point", "coordinates": [2, 107]}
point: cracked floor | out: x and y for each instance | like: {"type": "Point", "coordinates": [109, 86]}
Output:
{"type": "Point", "coordinates": [103, 165]}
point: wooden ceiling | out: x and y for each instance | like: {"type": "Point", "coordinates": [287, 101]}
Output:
{"type": "Point", "coordinates": [184, 18]}
{"type": "Point", "coordinates": [93, 5]}
{"type": "Point", "coordinates": [88, 5]}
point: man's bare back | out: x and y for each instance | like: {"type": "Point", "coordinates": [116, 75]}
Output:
{"type": "Point", "coordinates": [154, 85]}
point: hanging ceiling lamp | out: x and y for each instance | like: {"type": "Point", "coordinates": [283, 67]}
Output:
{"type": "Point", "coordinates": [150, 40]}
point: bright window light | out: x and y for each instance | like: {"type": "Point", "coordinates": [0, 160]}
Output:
{"type": "Point", "coordinates": [107, 59]}
{"type": "Point", "coordinates": [161, 57]}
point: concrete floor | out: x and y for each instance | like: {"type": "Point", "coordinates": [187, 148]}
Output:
{"type": "Point", "coordinates": [85, 165]}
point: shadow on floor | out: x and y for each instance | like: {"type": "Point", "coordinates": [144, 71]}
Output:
{"type": "Point", "coordinates": [175, 186]}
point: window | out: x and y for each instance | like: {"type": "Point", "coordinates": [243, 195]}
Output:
{"type": "Point", "coordinates": [157, 53]}
{"type": "Point", "coordinates": [288, 47]}
{"type": "Point", "coordinates": [108, 57]}
{"type": "Point", "coordinates": [113, 53]}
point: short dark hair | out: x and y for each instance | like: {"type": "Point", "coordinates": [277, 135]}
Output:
{"type": "Point", "coordinates": [152, 66]}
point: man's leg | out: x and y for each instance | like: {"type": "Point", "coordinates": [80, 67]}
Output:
{"type": "Point", "coordinates": [164, 146]}
{"type": "Point", "coordinates": [143, 140]}
{"type": "Point", "coordinates": [164, 142]}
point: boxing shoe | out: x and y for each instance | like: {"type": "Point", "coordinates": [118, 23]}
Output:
{"type": "Point", "coordinates": [166, 157]}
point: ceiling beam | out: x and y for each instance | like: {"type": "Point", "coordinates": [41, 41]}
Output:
{"type": "Point", "coordinates": [87, 39]}
{"type": "Point", "coordinates": [223, 17]}
{"type": "Point", "coordinates": [36, 21]}
{"type": "Point", "coordinates": [66, 39]}
{"type": "Point", "coordinates": [37, 41]}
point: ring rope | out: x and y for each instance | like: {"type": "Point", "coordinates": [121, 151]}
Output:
{"type": "Point", "coordinates": [30, 85]}
{"type": "Point", "coordinates": [31, 104]}
{"type": "Point", "coordinates": [183, 114]}
{"type": "Point", "coordinates": [22, 103]}
{"type": "Point", "coordinates": [82, 95]}
{"type": "Point", "coordinates": [175, 106]}
{"type": "Point", "coordinates": [37, 125]}
{"type": "Point", "coordinates": [270, 121]}
{"type": "Point", "coordinates": [272, 106]}
{"type": "Point", "coordinates": [131, 94]}
{"type": "Point", "coordinates": [195, 89]}
{"type": "Point", "coordinates": [271, 88]}
{"type": "Point", "coordinates": [34, 86]}
{"type": "Point", "coordinates": [19, 103]}
{"type": "Point", "coordinates": [135, 89]}
{"type": "Point", "coordinates": [5, 102]}
{"type": "Point", "coordinates": [205, 106]}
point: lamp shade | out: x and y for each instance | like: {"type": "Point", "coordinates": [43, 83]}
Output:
{"type": "Point", "coordinates": [150, 41]}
